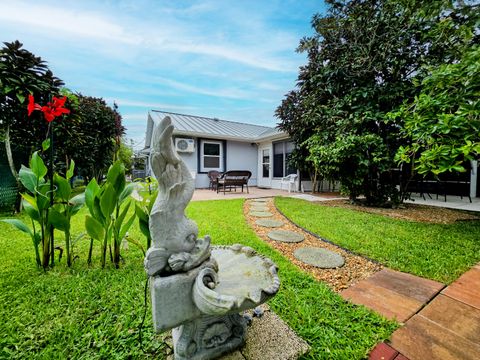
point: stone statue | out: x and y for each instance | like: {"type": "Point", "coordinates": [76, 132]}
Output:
{"type": "Point", "coordinates": [175, 244]}
{"type": "Point", "coordinates": [197, 291]}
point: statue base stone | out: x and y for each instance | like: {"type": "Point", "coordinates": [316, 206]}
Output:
{"type": "Point", "coordinates": [209, 337]}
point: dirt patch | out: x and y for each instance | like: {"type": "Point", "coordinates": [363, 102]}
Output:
{"type": "Point", "coordinates": [355, 269]}
{"type": "Point", "coordinates": [413, 212]}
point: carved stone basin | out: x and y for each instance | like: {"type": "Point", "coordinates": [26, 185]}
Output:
{"type": "Point", "coordinates": [243, 281]}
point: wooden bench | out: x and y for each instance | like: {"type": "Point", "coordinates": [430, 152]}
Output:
{"type": "Point", "coordinates": [233, 178]}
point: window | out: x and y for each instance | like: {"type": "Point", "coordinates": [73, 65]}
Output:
{"type": "Point", "coordinates": [211, 155]}
{"type": "Point", "coordinates": [281, 150]}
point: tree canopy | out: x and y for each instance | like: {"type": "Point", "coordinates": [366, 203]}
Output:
{"type": "Point", "coordinates": [362, 62]}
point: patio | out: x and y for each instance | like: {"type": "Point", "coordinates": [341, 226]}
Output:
{"type": "Point", "coordinates": [254, 192]}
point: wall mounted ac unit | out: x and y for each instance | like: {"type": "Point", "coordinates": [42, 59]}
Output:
{"type": "Point", "coordinates": [184, 145]}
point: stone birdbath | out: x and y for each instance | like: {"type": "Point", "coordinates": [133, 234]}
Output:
{"type": "Point", "coordinates": [197, 290]}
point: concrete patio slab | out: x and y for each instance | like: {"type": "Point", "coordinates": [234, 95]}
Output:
{"type": "Point", "coordinates": [453, 202]}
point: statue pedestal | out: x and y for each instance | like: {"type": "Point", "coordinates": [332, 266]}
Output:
{"type": "Point", "coordinates": [209, 337]}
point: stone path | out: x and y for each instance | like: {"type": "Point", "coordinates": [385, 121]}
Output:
{"type": "Point", "coordinates": [292, 241]}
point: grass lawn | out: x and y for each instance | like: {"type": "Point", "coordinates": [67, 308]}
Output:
{"type": "Point", "coordinates": [438, 252]}
{"type": "Point", "coordinates": [89, 313]}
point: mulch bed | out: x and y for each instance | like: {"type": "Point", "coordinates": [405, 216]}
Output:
{"type": "Point", "coordinates": [413, 212]}
{"type": "Point", "coordinates": [355, 269]}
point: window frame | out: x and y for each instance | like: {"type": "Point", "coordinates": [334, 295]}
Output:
{"type": "Point", "coordinates": [284, 157]}
{"type": "Point", "coordinates": [201, 155]}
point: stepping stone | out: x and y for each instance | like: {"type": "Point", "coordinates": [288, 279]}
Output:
{"type": "Point", "coordinates": [259, 208]}
{"type": "Point", "coordinates": [262, 200]}
{"type": "Point", "coordinates": [260, 213]}
{"type": "Point", "coordinates": [285, 236]}
{"type": "Point", "coordinates": [319, 257]}
{"type": "Point", "coordinates": [269, 223]}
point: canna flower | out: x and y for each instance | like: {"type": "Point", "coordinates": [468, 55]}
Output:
{"type": "Point", "coordinates": [31, 105]}
{"type": "Point", "coordinates": [50, 111]}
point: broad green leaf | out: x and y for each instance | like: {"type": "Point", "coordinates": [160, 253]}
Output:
{"type": "Point", "coordinates": [97, 211]}
{"type": "Point", "coordinates": [108, 200]}
{"type": "Point", "coordinates": [144, 227]}
{"type": "Point", "coordinates": [37, 238]}
{"type": "Point", "coordinates": [90, 192]}
{"type": "Point", "coordinates": [121, 217]}
{"type": "Point", "coordinates": [46, 144]}
{"type": "Point", "coordinates": [20, 225]}
{"type": "Point", "coordinates": [116, 176]}
{"type": "Point", "coordinates": [30, 200]}
{"type": "Point", "coordinates": [63, 187]}
{"type": "Point", "coordinates": [37, 165]}
{"type": "Point", "coordinates": [58, 220]}
{"type": "Point", "coordinates": [28, 178]}
{"type": "Point", "coordinates": [127, 191]}
{"type": "Point", "coordinates": [125, 227]}
{"type": "Point", "coordinates": [94, 229]}
{"type": "Point", "coordinates": [141, 213]}
{"type": "Point", "coordinates": [70, 170]}
{"type": "Point", "coordinates": [78, 199]}
{"type": "Point", "coordinates": [31, 211]}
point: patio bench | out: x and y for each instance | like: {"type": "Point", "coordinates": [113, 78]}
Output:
{"type": "Point", "coordinates": [232, 179]}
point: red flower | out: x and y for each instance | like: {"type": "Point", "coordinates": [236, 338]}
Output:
{"type": "Point", "coordinates": [51, 110]}
{"type": "Point", "coordinates": [31, 105]}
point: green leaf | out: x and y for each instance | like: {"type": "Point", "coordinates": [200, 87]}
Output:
{"type": "Point", "coordinates": [94, 229]}
{"type": "Point", "coordinates": [28, 178]}
{"type": "Point", "coordinates": [70, 170]}
{"type": "Point", "coordinates": [45, 144]}
{"type": "Point", "coordinates": [121, 217]}
{"type": "Point", "coordinates": [141, 213]}
{"type": "Point", "coordinates": [144, 228]}
{"type": "Point", "coordinates": [20, 225]}
{"type": "Point", "coordinates": [31, 211]}
{"type": "Point", "coordinates": [125, 227]}
{"type": "Point", "coordinates": [91, 191]}
{"type": "Point", "coordinates": [37, 166]}
{"type": "Point", "coordinates": [127, 191]}
{"type": "Point", "coordinates": [20, 97]}
{"type": "Point", "coordinates": [63, 187]}
{"type": "Point", "coordinates": [30, 200]}
{"type": "Point", "coordinates": [108, 200]}
{"type": "Point", "coordinates": [58, 220]}
{"type": "Point", "coordinates": [116, 176]}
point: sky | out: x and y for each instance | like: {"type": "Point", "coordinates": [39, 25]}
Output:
{"type": "Point", "coordinates": [229, 59]}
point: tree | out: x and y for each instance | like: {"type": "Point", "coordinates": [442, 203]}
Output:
{"type": "Point", "coordinates": [361, 64]}
{"type": "Point", "coordinates": [442, 123]}
{"type": "Point", "coordinates": [101, 127]}
{"type": "Point", "coordinates": [125, 154]}
{"type": "Point", "coordinates": [22, 73]}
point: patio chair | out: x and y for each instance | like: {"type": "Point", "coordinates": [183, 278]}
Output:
{"type": "Point", "coordinates": [290, 181]}
{"type": "Point", "coordinates": [213, 176]}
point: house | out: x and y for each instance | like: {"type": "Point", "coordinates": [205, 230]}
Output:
{"type": "Point", "coordinates": [212, 144]}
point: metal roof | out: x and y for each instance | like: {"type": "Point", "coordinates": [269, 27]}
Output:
{"type": "Point", "coordinates": [199, 126]}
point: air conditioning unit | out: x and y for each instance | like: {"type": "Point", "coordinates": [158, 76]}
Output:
{"type": "Point", "coordinates": [184, 145]}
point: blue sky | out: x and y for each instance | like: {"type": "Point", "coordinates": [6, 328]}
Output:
{"type": "Point", "coordinates": [233, 60]}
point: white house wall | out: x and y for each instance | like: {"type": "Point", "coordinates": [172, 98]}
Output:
{"type": "Point", "coordinates": [243, 156]}
{"type": "Point", "coordinates": [239, 156]}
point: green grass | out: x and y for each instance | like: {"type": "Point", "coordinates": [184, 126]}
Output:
{"type": "Point", "coordinates": [434, 251]}
{"type": "Point", "coordinates": [89, 313]}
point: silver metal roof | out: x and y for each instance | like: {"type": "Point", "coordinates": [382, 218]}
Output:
{"type": "Point", "coordinates": [199, 126]}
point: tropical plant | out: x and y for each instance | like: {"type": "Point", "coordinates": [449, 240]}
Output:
{"type": "Point", "coordinates": [108, 205]}
{"type": "Point", "coordinates": [147, 192]}
{"type": "Point", "coordinates": [36, 203]}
